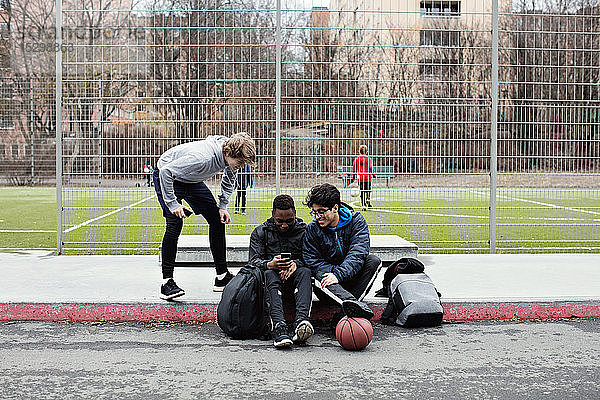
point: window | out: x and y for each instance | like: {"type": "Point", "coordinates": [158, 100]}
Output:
{"type": "Point", "coordinates": [440, 8]}
{"type": "Point", "coordinates": [435, 68]}
{"type": "Point", "coordinates": [440, 38]}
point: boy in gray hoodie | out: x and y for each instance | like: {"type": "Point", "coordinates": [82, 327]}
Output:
{"type": "Point", "coordinates": [179, 175]}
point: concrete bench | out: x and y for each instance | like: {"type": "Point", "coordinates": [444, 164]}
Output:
{"type": "Point", "coordinates": [194, 250]}
{"type": "Point", "coordinates": [344, 172]}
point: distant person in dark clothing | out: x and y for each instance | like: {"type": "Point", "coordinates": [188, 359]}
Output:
{"type": "Point", "coordinates": [336, 248]}
{"type": "Point", "coordinates": [244, 181]}
{"type": "Point", "coordinates": [362, 168]}
{"type": "Point", "coordinates": [285, 277]}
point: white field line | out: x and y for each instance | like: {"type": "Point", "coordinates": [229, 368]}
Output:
{"type": "Point", "coordinates": [357, 206]}
{"type": "Point", "coordinates": [24, 231]}
{"type": "Point", "coordinates": [541, 204]}
{"type": "Point", "coordinates": [89, 221]}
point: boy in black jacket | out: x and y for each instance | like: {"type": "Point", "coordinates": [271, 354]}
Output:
{"type": "Point", "coordinates": [280, 234]}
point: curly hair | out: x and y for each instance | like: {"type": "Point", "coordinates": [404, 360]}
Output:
{"type": "Point", "coordinates": [283, 202]}
{"type": "Point", "coordinates": [241, 146]}
{"type": "Point", "coordinates": [325, 195]}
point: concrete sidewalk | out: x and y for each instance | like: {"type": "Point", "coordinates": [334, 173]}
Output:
{"type": "Point", "coordinates": [38, 286]}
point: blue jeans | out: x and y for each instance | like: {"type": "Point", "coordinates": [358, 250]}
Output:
{"type": "Point", "coordinates": [202, 201]}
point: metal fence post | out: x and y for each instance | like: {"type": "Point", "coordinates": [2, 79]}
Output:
{"type": "Point", "coordinates": [59, 236]}
{"type": "Point", "coordinates": [31, 130]}
{"type": "Point", "coordinates": [494, 128]}
{"type": "Point", "coordinates": [278, 100]}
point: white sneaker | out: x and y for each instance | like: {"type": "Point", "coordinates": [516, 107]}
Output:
{"type": "Point", "coordinates": [303, 331]}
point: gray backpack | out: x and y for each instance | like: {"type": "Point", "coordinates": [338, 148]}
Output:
{"type": "Point", "coordinates": [413, 303]}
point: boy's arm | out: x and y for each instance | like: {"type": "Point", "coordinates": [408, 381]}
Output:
{"type": "Point", "coordinates": [312, 256]}
{"type": "Point", "coordinates": [228, 184]}
{"type": "Point", "coordinates": [167, 175]}
{"type": "Point", "coordinates": [257, 251]}
{"type": "Point", "coordinates": [360, 246]}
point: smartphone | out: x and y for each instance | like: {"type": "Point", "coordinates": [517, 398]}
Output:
{"type": "Point", "coordinates": [286, 255]}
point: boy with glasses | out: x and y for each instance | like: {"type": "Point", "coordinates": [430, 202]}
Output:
{"type": "Point", "coordinates": [281, 235]}
{"type": "Point", "coordinates": [336, 248]}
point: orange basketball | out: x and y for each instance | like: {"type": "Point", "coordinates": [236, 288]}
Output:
{"type": "Point", "coordinates": [354, 333]}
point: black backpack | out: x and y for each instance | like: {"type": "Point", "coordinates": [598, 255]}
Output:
{"type": "Point", "coordinates": [242, 312]}
{"type": "Point", "coordinates": [406, 265]}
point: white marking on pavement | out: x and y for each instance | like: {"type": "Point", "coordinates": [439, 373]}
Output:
{"type": "Point", "coordinates": [89, 221]}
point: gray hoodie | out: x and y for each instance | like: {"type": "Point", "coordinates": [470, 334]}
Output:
{"type": "Point", "coordinates": [195, 162]}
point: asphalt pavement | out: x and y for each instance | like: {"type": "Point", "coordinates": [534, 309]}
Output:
{"type": "Point", "coordinates": [478, 360]}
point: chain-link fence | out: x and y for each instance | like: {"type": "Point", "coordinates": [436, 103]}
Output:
{"type": "Point", "coordinates": [481, 117]}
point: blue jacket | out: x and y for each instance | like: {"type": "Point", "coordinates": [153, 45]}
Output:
{"type": "Point", "coordinates": [341, 251]}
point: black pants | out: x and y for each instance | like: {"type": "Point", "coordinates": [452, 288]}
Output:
{"type": "Point", "coordinates": [240, 195]}
{"type": "Point", "coordinates": [365, 193]}
{"type": "Point", "coordinates": [352, 289]}
{"type": "Point", "coordinates": [296, 287]}
{"type": "Point", "coordinates": [202, 201]}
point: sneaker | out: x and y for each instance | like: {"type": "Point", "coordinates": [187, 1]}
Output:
{"type": "Point", "coordinates": [243, 212]}
{"type": "Point", "coordinates": [281, 338]}
{"type": "Point", "coordinates": [358, 309]}
{"type": "Point", "coordinates": [170, 290]}
{"type": "Point", "coordinates": [236, 212]}
{"type": "Point", "coordinates": [221, 283]}
{"type": "Point", "coordinates": [303, 331]}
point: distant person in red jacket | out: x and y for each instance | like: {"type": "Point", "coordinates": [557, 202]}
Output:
{"type": "Point", "coordinates": [362, 168]}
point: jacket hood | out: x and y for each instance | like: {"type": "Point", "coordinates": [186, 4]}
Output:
{"type": "Point", "coordinates": [346, 213]}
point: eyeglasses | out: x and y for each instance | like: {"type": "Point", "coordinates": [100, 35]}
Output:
{"type": "Point", "coordinates": [319, 213]}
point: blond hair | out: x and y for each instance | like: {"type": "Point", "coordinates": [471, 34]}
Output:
{"type": "Point", "coordinates": [363, 149]}
{"type": "Point", "coordinates": [241, 146]}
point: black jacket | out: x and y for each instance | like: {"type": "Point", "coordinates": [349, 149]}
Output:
{"type": "Point", "coordinates": [267, 241]}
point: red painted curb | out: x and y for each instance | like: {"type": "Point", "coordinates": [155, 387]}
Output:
{"type": "Point", "coordinates": [208, 312]}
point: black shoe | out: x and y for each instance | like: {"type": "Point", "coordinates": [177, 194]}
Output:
{"type": "Point", "coordinates": [302, 331]}
{"type": "Point", "coordinates": [381, 292]}
{"type": "Point", "coordinates": [221, 283]}
{"type": "Point", "coordinates": [170, 290]}
{"type": "Point", "coordinates": [281, 338]}
{"type": "Point", "coordinates": [358, 309]}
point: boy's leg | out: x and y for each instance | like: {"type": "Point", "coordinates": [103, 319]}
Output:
{"type": "Point", "coordinates": [274, 296]}
{"type": "Point", "coordinates": [173, 228]}
{"type": "Point", "coordinates": [362, 282]}
{"type": "Point", "coordinates": [302, 292]}
{"type": "Point", "coordinates": [243, 200]}
{"type": "Point", "coordinates": [333, 292]}
{"type": "Point", "coordinates": [345, 299]}
{"type": "Point", "coordinates": [203, 202]}
{"type": "Point", "coordinates": [169, 244]}
{"type": "Point", "coordinates": [363, 194]}
{"type": "Point", "coordinates": [301, 284]}
{"type": "Point", "coordinates": [273, 286]}
{"type": "Point", "coordinates": [169, 290]}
